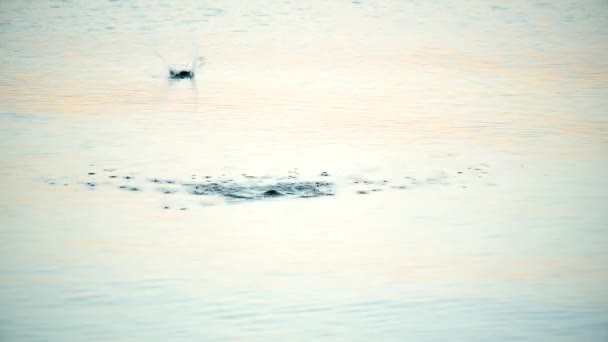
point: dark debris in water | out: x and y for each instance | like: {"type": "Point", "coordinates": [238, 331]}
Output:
{"type": "Point", "coordinates": [129, 188]}
{"type": "Point", "coordinates": [163, 181]}
{"type": "Point", "coordinates": [272, 193]}
{"type": "Point", "coordinates": [181, 74]}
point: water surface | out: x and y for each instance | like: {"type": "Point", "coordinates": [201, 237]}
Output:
{"type": "Point", "coordinates": [464, 145]}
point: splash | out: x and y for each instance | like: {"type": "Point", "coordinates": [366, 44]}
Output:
{"type": "Point", "coordinates": [184, 71]}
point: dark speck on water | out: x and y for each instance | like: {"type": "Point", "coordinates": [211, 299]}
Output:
{"type": "Point", "coordinates": [162, 181]}
{"type": "Point", "coordinates": [272, 193]}
{"type": "Point", "coordinates": [180, 74]}
{"type": "Point", "coordinates": [130, 188]}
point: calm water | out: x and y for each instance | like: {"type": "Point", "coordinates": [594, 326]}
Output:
{"type": "Point", "coordinates": [466, 146]}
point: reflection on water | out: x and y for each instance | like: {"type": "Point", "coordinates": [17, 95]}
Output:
{"type": "Point", "coordinates": [456, 153]}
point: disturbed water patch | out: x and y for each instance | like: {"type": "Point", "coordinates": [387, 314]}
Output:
{"type": "Point", "coordinates": [280, 188]}
{"type": "Point", "coordinates": [246, 187]}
